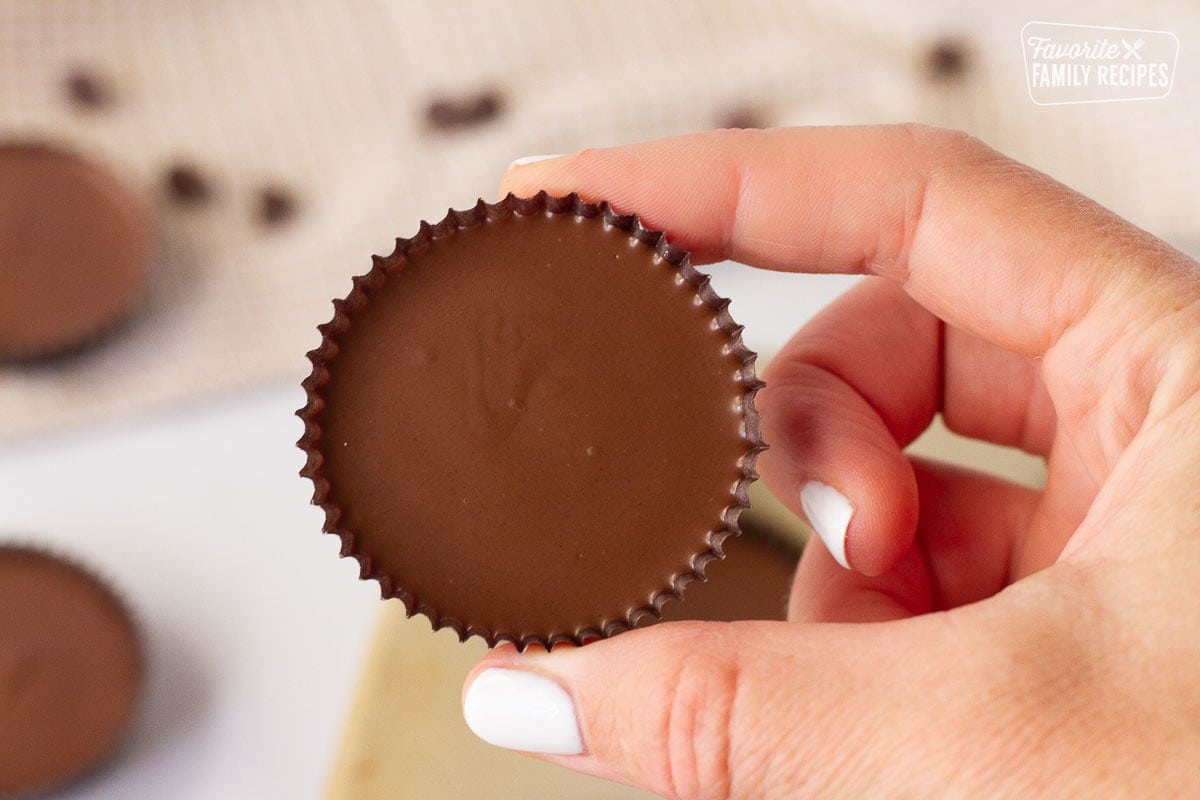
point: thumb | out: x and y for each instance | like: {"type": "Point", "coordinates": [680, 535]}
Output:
{"type": "Point", "coordinates": [746, 709]}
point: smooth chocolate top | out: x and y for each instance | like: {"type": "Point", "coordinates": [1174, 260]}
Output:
{"type": "Point", "coordinates": [69, 671]}
{"type": "Point", "coordinates": [75, 249]}
{"type": "Point", "coordinates": [532, 426]}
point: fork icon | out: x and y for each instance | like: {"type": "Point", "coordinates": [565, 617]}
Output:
{"type": "Point", "coordinates": [1132, 49]}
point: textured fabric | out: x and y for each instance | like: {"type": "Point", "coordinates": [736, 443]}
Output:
{"type": "Point", "coordinates": [329, 99]}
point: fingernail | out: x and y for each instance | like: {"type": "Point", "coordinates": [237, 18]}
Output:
{"type": "Point", "coordinates": [522, 711]}
{"type": "Point", "coordinates": [829, 513]}
{"type": "Point", "coordinates": [527, 160]}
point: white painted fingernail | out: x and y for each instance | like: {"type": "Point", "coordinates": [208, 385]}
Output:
{"type": "Point", "coordinates": [527, 160]}
{"type": "Point", "coordinates": [829, 513]}
{"type": "Point", "coordinates": [522, 711]}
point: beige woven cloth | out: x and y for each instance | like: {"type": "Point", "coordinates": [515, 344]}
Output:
{"type": "Point", "coordinates": [329, 99]}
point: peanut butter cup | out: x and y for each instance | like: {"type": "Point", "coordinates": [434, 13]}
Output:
{"type": "Point", "coordinates": [753, 581]}
{"type": "Point", "coordinates": [70, 669]}
{"type": "Point", "coordinates": [532, 422]}
{"type": "Point", "coordinates": [75, 249]}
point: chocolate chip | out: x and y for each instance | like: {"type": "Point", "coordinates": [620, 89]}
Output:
{"type": "Point", "coordinates": [462, 112]}
{"type": "Point", "coordinates": [275, 205]}
{"type": "Point", "coordinates": [946, 59]}
{"type": "Point", "coordinates": [86, 90]}
{"type": "Point", "coordinates": [186, 185]}
{"type": "Point", "coordinates": [741, 117]}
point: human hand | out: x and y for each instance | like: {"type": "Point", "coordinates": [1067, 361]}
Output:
{"type": "Point", "coordinates": [1005, 642]}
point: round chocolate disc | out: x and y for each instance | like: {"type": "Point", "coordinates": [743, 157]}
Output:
{"type": "Point", "coordinates": [75, 250]}
{"type": "Point", "coordinates": [69, 671]}
{"type": "Point", "coordinates": [532, 421]}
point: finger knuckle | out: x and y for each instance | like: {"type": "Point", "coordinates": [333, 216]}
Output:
{"type": "Point", "coordinates": [697, 727]}
{"type": "Point", "coordinates": [943, 143]}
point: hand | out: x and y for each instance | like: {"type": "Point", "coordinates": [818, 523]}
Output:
{"type": "Point", "coordinates": [1005, 642]}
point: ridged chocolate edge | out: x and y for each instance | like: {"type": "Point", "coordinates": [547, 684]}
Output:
{"type": "Point", "coordinates": [106, 588]}
{"type": "Point", "coordinates": [426, 235]}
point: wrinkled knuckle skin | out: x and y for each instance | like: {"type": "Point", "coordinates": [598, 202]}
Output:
{"type": "Point", "coordinates": [948, 151]}
{"type": "Point", "coordinates": [697, 730]}
{"type": "Point", "coordinates": [945, 142]}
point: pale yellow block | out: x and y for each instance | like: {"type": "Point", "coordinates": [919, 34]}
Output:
{"type": "Point", "coordinates": [406, 738]}
{"type": "Point", "coordinates": [939, 442]}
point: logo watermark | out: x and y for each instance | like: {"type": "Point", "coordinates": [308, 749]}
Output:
{"type": "Point", "coordinates": [1090, 64]}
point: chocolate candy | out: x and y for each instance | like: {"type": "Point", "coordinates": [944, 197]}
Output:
{"type": "Point", "coordinates": [532, 422]}
{"type": "Point", "coordinates": [70, 670]}
{"type": "Point", "coordinates": [275, 205]}
{"type": "Point", "coordinates": [462, 112]}
{"type": "Point", "coordinates": [75, 250]}
{"type": "Point", "coordinates": [741, 117]}
{"type": "Point", "coordinates": [946, 60]}
{"type": "Point", "coordinates": [187, 185]}
{"type": "Point", "coordinates": [86, 90]}
{"type": "Point", "coordinates": [752, 582]}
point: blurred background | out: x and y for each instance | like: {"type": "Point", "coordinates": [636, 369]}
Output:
{"type": "Point", "coordinates": [275, 146]}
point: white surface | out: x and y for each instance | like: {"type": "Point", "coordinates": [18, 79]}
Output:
{"type": "Point", "coordinates": [773, 305]}
{"type": "Point", "coordinates": [255, 628]}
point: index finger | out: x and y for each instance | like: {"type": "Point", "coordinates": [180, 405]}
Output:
{"type": "Point", "coordinates": [987, 244]}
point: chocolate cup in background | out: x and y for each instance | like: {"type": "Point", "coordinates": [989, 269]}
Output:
{"type": "Point", "coordinates": [533, 422]}
{"type": "Point", "coordinates": [76, 248]}
{"type": "Point", "coordinates": [752, 582]}
{"type": "Point", "coordinates": [71, 668]}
